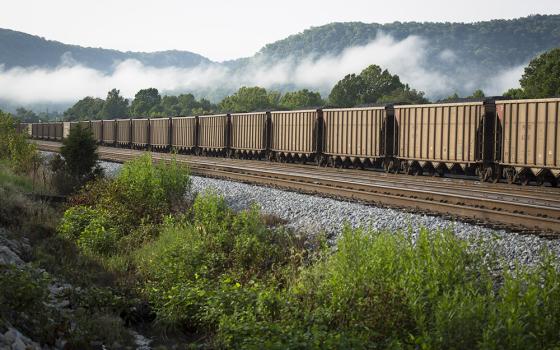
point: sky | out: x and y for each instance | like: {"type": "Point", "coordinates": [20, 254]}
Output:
{"type": "Point", "coordinates": [222, 29]}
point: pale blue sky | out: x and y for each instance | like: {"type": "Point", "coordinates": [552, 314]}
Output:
{"type": "Point", "coordinates": [221, 29]}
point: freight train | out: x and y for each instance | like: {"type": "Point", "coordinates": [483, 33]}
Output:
{"type": "Point", "coordinates": [515, 140]}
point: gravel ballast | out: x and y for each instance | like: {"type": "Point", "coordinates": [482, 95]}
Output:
{"type": "Point", "coordinates": [311, 214]}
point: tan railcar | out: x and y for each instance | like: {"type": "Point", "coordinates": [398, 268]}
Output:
{"type": "Point", "coordinates": [440, 135]}
{"type": "Point", "coordinates": [159, 132]}
{"type": "Point", "coordinates": [140, 135]}
{"type": "Point", "coordinates": [51, 127]}
{"type": "Point", "coordinates": [355, 134]}
{"type": "Point", "coordinates": [59, 131]}
{"type": "Point", "coordinates": [34, 128]}
{"type": "Point", "coordinates": [109, 131]}
{"type": "Point", "coordinates": [294, 133]}
{"type": "Point", "coordinates": [39, 129]}
{"type": "Point", "coordinates": [97, 130]}
{"type": "Point", "coordinates": [529, 131]}
{"type": "Point", "coordinates": [213, 135]}
{"type": "Point", "coordinates": [248, 133]}
{"type": "Point", "coordinates": [184, 133]}
{"type": "Point", "coordinates": [123, 131]}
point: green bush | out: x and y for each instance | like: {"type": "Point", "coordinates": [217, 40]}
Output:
{"type": "Point", "coordinates": [199, 270]}
{"type": "Point", "coordinates": [99, 236]}
{"type": "Point", "coordinates": [110, 217]}
{"type": "Point", "coordinates": [150, 191]}
{"type": "Point", "coordinates": [75, 220]}
{"type": "Point", "coordinates": [14, 147]}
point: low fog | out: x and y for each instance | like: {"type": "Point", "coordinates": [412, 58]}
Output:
{"type": "Point", "coordinates": [408, 58]}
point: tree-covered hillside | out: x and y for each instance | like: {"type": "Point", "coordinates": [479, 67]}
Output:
{"type": "Point", "coordinates": [495, 43]}
{"type": "Point", "coordinates": [24, 50]}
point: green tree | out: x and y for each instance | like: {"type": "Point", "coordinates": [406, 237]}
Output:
{"type": "Point", "coordinates": [477, 94]}
{"type": "Point", "coordinates": [376, 83]}
{"type": "Point", "coordinates": [85, 109]}
{"type": "Point", "coordinates": [79, 151]}
{"type": "Point", "coordinates": [300, 99]}
{"type": "Point", "coordinates": [542, 76]}
{"type": "Point", "coordinates": [115, 105]}
{"type": "Point", "coordinates": [248, 99]}
{"type": "Point", "coordinates": [347, 92]}
{"type": "Point", "coordinates": [404, 95]}
{"type": "Point", "coordinates": [145, 101]}
{"type": "Point", "coordinates": [26, 116]}
{"type": "Point", "coordinates": [14, 146]}
{"type": "Point", "coordinates": [516, 93]}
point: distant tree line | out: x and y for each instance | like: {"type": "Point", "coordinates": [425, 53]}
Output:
{"type": "Point", "coordinates": [371, 86]}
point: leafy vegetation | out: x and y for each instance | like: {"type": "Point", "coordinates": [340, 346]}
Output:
{"type": "Point", "coordinates": [232, 281]}
{"type": "Point", "coordinates": [512, 42]}
{"type": "Point", "coordinates": [542, 76]}
{"type": "Point", "coordinates": [14, 147]}
{"type": "Point", "coordinates": [372, 85]}
{"type": "Point", "coordinates": [77, 162]}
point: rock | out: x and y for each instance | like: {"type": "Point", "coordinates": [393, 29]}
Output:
{"type": "Point", "coordinates": [7, 256]}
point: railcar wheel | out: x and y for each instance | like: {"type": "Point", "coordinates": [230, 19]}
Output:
{"type": "Point", "coordinates": [510, 176]}
{"type": "Point", "coordinates": [417, 171]}
{"type": "Point", "coordinates": [523, 179]}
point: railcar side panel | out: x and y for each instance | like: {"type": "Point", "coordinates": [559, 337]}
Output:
{"type": "Point", "coordinates": [184, 132]}
{"type": "Point", "coordinates": [443, 133]}
{"type": "Point", "coordinates": [530, 134]}
{"type": "Point", "coordinates": [159, 132]}
{"type": "Point", "coordinates": [248, 131]}
{"type": "Point", "coordinates": [140, 136]}
{"type": "Point", "coordinates": [109, 131]}
{"type": "Point", "coordinates": [213, 132]}
{"type": "Point", "coordinates": [123, 131]}
{"type": "Point", "coordinates": [294, 132]}
{"type": "Point", "coordinates": [96, 129]}
{"type": "Point", "coordinates": [354, 132]}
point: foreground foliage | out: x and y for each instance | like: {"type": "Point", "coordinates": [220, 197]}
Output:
{"type": "Point", "coordinates": [232, 281]}
{"type": "Point", "coordinates": [14, 148]}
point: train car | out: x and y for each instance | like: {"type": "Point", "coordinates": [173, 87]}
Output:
{"type": "Point", "coordinates": [248, 135]}
{"type": "Point", "coordinates": [109, 127]}
{"type": "Point", "coordinates": [140, 133]}
{"type": "Point", "coordinates": [213, 135]}
{"type": "Point", "coordinates": [51, 133]}
{"type": "Point", "coordinates": [41, 132]}
{"type": "Point", "coordinates": [438, 138]}
{"type": "Point", "coordinates": [66, 129]}
{"type": "Point", "coordinates": [159, 133]}
{"type": "Point", "coordinates": [357, 136]}
{"type": "Point", "coordinates": [123, 132]}
{"type": "Point", "coordinates": [34, 128]}
{"type": "Point", "coordinates": [97, 130]}
{"type": "Point", "coordinates": [295, 135]}
{"type": "Point", "coordinates": [528, 140]}
{"type": "Point", "coordinates": [184, 134]}
{"type": "Point", "coordinates": [59, 131]}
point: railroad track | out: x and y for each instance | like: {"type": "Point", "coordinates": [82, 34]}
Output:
{"type": "Point", "coordinates": [534, 210]}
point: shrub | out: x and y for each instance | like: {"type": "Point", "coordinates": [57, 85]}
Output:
{"type": "Point", "coordinates": [199, 270]}
{"type": "Point", "coordinates": [99, 236]}
{"type": "Point", "coordinates": [150, 191]}
{"type": "Point", "coordinates": [75, 220]}
{"type": "Point", "coordinates": [14, 147]}
{"type": "Point", "coordinates": [79, 151]}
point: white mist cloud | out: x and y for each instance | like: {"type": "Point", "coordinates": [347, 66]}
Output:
{"type": "Point", "coordinates": [408, 58]}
